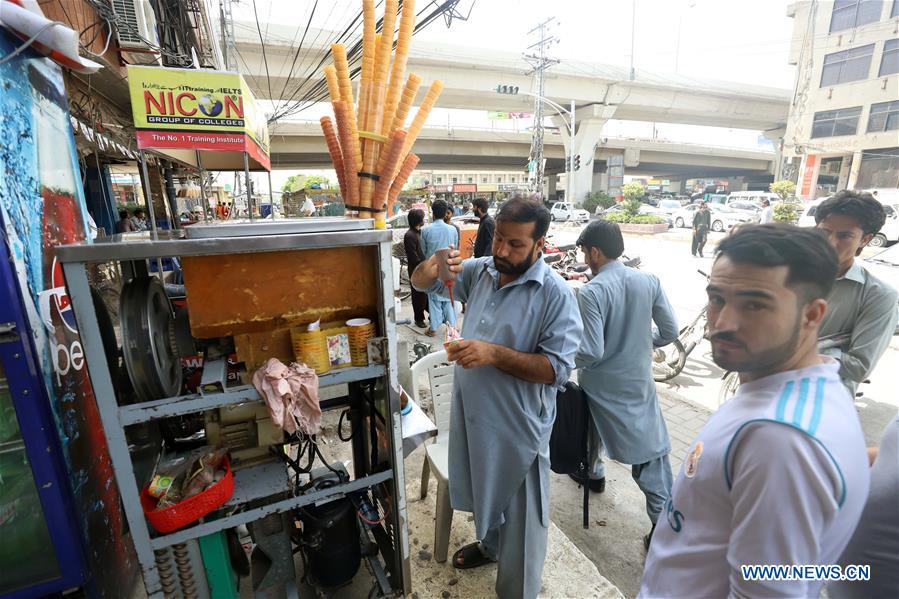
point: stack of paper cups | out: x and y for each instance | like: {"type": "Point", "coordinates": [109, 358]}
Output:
{"type": "Point", "coordinates": [361, 330]}
{"type": "Point", "coordinates": [311, 348]}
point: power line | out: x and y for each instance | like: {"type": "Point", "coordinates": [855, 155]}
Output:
{"type": "Point", "coordinates": [264, 54]}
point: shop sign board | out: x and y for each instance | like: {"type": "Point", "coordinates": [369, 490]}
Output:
{"type": "Point", "coordinates": [197, 110]}
{"type": "Point", "coordinates": [465, 188]}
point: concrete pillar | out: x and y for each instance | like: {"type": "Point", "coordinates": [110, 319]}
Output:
{"type": "Point", "coordinates": [551, 183]}
{"type": "Point", "coordinates": [843, 180]}
{"type": "Point", "coordinates": [777, 137]}
{"type": "Point", "coordinates": [589, 122]}
{"type": "Point", "coordinates": [853, 169]}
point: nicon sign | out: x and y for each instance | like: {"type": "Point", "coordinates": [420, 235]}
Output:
{"type": "Point", "coordinates": [198, 110]}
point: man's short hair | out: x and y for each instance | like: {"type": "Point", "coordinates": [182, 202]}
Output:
{"type": "Point", "coordinates": [765, 202]}
{"type": "Point", "coordinates": [480, 204]}
{"type": "Point", "coordinates": [806, 252]}
{"type": "Point", "coordinates": [439, 209]}
{"type": "Point", "coordinates": [416, 217]}
{"type": "Point", "coordinates": [603, 235]}
{"type": "Point", "coordinates": [860, 206]}
{"type": "Point", "coordinates": [123, 214]}
{"type": "Point", "coordinates": [525, 208]}
{"type": "Point", "coordinates": [139, 211]}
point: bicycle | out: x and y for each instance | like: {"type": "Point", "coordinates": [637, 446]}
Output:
{"type": "Point", "coordinates": [668, 361]}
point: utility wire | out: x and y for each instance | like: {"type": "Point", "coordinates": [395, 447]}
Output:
{"type": "Point", "coordinates": [264, 54]}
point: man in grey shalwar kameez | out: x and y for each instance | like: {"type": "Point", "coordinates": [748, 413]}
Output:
{"type": "Point", "coordinates": [617, 308]}
{"type": "Point", "coordinates": [520, 336]}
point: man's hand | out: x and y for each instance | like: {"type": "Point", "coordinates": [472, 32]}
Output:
{"type": "Point", "coordinates": [426, 273]}
{"type": "Point", "coordinates": [471, 353]}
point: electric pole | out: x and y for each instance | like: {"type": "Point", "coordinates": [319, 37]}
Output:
{"type": "Point", "coordinates": [539, 62]}
{"type": "Point", "coordinates": [229, 50]}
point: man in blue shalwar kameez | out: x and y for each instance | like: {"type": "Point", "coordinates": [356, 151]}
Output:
{"type": "Point", "coordinates": [618, 307]}
{"type": "Point", "coordinates": [519, 339]}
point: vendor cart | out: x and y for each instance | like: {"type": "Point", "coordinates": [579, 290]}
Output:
{"type": "Point", "coordinates": [248, 285]}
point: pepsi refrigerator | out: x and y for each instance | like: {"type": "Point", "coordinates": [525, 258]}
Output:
{"type": "Point", "coordinates": [61, 524]}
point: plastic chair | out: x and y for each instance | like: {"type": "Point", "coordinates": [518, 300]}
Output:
{"type": "Point", "coordinates": [440, 375]}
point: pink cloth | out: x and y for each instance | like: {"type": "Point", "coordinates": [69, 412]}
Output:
{"type": "Point", "coordinates": [291, 393]}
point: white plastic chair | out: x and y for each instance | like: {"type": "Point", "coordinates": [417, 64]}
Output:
{"type": "Point", "coordinates": [440, 376]}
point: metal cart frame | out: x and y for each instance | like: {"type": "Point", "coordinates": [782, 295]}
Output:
{"type": "Point", "coordinates": [255, 484]}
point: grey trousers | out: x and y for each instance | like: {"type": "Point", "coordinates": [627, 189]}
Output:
{"type": "Point", "coordinates": [519, 543]}
{"type": "Point", "coordinates": [654, 477]}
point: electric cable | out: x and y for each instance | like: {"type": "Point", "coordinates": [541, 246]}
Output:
{"type": "Point", "coordinates": [264, 54]}
{"type": "Point", "coordinates": [29, 41]}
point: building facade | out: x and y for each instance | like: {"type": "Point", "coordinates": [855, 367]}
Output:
{"type": "Point", "coordinates": [843, 127]}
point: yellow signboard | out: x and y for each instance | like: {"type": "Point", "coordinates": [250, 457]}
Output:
{"type": "Point", "coordinates": [197, 109]}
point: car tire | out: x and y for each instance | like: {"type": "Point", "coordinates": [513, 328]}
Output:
{"type": "Point", "coordinates": [878, 241]}
{"type": "Point", "coordinates": [679, 223]}
{"type": "Point", "coordinates": [717, 226]}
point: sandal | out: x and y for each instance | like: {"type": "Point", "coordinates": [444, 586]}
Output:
{"type": "Point", "coordinates": [431, 333]}
{"type": "Point", "coordinates": [471, 556]}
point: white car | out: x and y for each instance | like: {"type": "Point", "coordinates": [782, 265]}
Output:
{"type": "Point", "coordinates": [564, 211]}
{"type": "Point", "coordinates": [888, 234]}
{"type": "Point", "coordinates": [669, 206]}
{"type": "Point", "coordinates": [723, 218]}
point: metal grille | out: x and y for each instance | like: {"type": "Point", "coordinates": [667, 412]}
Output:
{"type": "Point", "coordinates": [127, 27]}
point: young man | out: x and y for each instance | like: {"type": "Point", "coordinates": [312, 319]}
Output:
{"type": "Point", "coordinates": [414, 257]}
{"type": "Point", "coordinates": [124, 224]}
{"type": "Point", "coordinates": [139, 220]}
{"type": "Point", "coordinates": [438, 235]}
{"type": "Point", "coordinates": [484, 240]}
{"type": "Point", "coordinates": [702, 222]}
{"type": "Point", "coordinates": [520, 337]}
{"type": "Point", "coordinates": [779, 474]}
{"type": "Point", "coordinates": [616, 306]}
{"type": "Point", "coordinates": [860, 303]}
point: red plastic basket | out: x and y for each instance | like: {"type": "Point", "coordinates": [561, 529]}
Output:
{"type": "Point", "coordinates": [191, 509]}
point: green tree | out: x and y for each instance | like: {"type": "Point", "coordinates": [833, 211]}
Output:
{"type": "Point", "coordinates": [319, 180]}
{"type": "Point", "coordinates": [632, 193]}
{"type": "Point", "coordinates": [294, 183]}
{"type": "Point", "coordinates": [598, 199]}
{"type": "Point", "coordinates": [783, 189]}
{"type": "Point", "coordinates": [786, 212]}
{"type": "Point", "coordinates": [299, 182]}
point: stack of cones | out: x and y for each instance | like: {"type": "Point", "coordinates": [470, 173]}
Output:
{"type": "Point", "coordinates": [370, 148]}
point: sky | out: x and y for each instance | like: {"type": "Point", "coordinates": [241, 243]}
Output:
{"type": "Point", "coordinates": [744, 41]}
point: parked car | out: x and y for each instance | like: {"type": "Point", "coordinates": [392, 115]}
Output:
{"type": "Point", "coordinates": [745, 205]}
{"type": "Point", "coordinates": [887, 235]}
{"type": "Point", "coordinates": [669, 206]}
{"type": "Point", "coordinates": [723, 218]}
{"type": "Point", "coordinates": [565, 211]}
{"type": "Point", "coordinates": [755, 197]}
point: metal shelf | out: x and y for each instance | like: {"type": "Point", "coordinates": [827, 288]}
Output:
{"type": "Point", "coordinates": [284, 505]}
{"type": "Point", "coordinates": [189, 404]}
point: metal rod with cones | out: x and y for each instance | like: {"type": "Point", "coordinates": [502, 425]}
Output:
{"type": "Point", "coordinates": [371, 147]}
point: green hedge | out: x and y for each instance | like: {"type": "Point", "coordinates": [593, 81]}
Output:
{"type": "Point", "coordinates": [638, 219]}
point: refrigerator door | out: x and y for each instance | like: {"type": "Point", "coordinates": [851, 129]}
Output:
{"type": "Point", "coordinates": [25, 558]}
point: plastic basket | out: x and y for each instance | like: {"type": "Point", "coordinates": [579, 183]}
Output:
{"type": "Point", "coordinates": [191, 509]}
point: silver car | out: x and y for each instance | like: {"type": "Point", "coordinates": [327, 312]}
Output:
{"type": "Point", "coordinates": [723, 218]}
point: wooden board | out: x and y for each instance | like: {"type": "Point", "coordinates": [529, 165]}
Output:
{"type": "Point", "coordinates": [261, 292]}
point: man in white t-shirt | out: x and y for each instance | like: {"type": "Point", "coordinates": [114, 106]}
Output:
{"type": "Point", "coordinates": [779, 475]}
